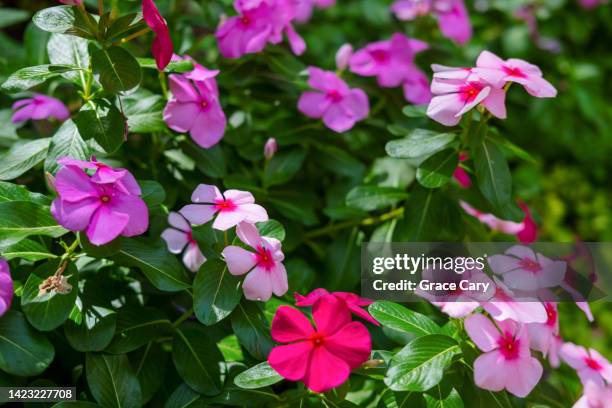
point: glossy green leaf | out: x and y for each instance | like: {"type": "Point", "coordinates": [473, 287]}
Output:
{"type": "Point", "coordinates": [11, 16]}
{"type": "Point", "coordinates": [93, 334]}
{"type": "Point", "coordinates": [271, 229]}
{"type": "Point", "coordinates": [251, 328]}
{"type": "Point", "coordinates": [452, 400]}
{"type": "Point", "coordinates": [438, 169]}
{"type": "Point", "coordinates": [173, 66]}
{"type": "Point", "coordinates": [492, 173]}
{"type": "Point", "coordinates": [420, 142]}
{"type": "Point", "coordinates": [136, 326]}
{"type": "Point", "coordinates": [26, 249]}
{"type": "Point", "coordinates": [258, 376]}
{"type": "Point", "coordinates": [369, 198]}
{"type": "Point", "coordinates": [216, 292]}
{"type": "Point", "coordinates": [144, 112]}
{"type": "Point", "coordinates": [22, 157]}
{"type": "Point", "coordinates": [102, 121]}
{"type": "Point", "coordinates": [16, 192]}
{"type": "Point", "coordinates": [118, 69]}
{"type": "Point", "coordinates": [153, 193]}
{"type": "Point", "coordinates": [151, 364]}
{"type": "Point", "coordinates": [112, 381]}
{"type": "Point", "coordinates": [21, 219]}
{"type": "Point", "coordinates": [284, 166]}
{"type": "Point", "coordinates": [66, 142]}
{"type": "Point", "coordinates": [69, 50]}
{"type": "Point", "coordinates": [401, 318]}
{"type": "Point", "coordinates": [58, 19]}
{"type": "Point", "coordinates": [29, 77]}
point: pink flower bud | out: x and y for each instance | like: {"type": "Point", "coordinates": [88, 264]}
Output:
{"type": "Point", "coordinates": [343, 55]}
{"type": "Point", "coordinates": [270, 148]}
{"type": "Point", "coordinates": [72, 2]}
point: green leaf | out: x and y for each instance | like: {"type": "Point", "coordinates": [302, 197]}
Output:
{"type": "Point", "coordinates": [59, 19]}
{"type": "Point", "coordinates": [69, 50]}
{"type": "Point", "coordinates": [398, 317]}
{"type": "Point", "coordinates": [421, 363]}
{"type": "Point", "coordinates": [11, 16]}
{"type": "Point", "coordinates": [153, 193]}
{"type": "Point", "coordinates": [209, 161]}
{"type": "Point", "coordinates": [438, 169]}
{"type": "Point", "coordinates": [23, 351]}
{"type": "Point", "coordinates": [369, 198]}
{"type": "Point", "coordinates": [197, 358]}
{"type": "Point", "coordinates": [144, 112]}
{"type": "Point", "coordinates": [415, 111]}
{"type": "Point", "coordinates": [271, 229]}
{"type": "Point", "coordinates": [419, 143]}
{"type": "Point", "coordinates": [251, 328]}
{"type": "Point", "coordinates": [22, 157]}
{"type": "Point", "coordinates": [452, 400]}
{"type": "Point", "coordinates": [20, 219]}
{"type": "Point", "coordinates": [99, 251]}
{"type": "Point", "coordinates": [215, 292]}
{"type": "Point", "coordinates": [29, 77]}
{"type": "Point", "coordinates": [154, 260]}
{"type": "Point", "coordinates": [283, 167]}
{"type": "Point", "coordinates": [151, 364]}
{"type": "Point", "coordinates": [422, 219]}
{"type": "Point", "coordinates": [49, 310]}
{"type": "Point", "coordinates": [36, 45]}
{"type": "Point", "coordinates": [230, 348]}
{"type": "Point", "coordinates": [492, 173]}
{"type": "Point", "coordinates": [118, 69]}
{"type": "Point", "coordinates": [174, 66]}
{"type": "Point", "coordinates": [112, 381]}
{"type": "Point", "coordinates": [93, 334]}
{"type": "Point", "coordinates": [26, 249]}
{"type": "Point", "coordinates": [258, 376]}
{"type": "Point", "coordinates": [184, 397]}
{"type": "Point", "coordinates": [103, 122]}
{"type": "Point", "coordinates": [66, 142]}
{"type": "Point", "coordinates": [16, 192]}
{"type": "Point", "coordinates": [136, 326]}
{"type": "Point", "coordinates": [123, 27]}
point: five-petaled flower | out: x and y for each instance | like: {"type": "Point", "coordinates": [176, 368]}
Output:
{"type": "Point", "coordinates": [161, 47]}
{"type": "Point", "coordinates": [589, 364]}
{"type": "Point", "coordinates": [39, 107]}
{"type": "Point", "coordinates": [178, 237]}
{"type": "Point", "coordinates": [6, 286]}
{"type": "Point", "coordinates": [353, 302]}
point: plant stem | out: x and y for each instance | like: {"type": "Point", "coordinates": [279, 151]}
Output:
{"type": "Point", "coordinates": [162, 82]}
{"type": "Point", "coordinates": [100, 7]}
{"type": "Point", "coordinates": [395, 213]}
{"type": "Point", "coordinates": [134, 35]}
{"type": "Point", "coordinates": [188, 313]}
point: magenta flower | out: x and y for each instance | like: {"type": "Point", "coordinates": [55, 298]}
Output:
{"type": "Point", "coordinates": [103, 173]}
{"type": "Point", "coordinates": [195, 107]}
{"type": "Point", "coordinates": [544, 337]}
{"type": "Point", "coordinates": [506, 350]}
{"type": "Point", "coordinates": [353, 302]}
{"type": "Point", "coordinates": [460, 175]}
{"type": "Point", "coordinates": [452, 15]}
{"type": "Point", "coordinates": [6, 286]}
{"type": "Point", "coordinates": [322, 357]}
{"type": "Point", "coordinates": [589, 364]}
{"type": "Point", "coordinates": [266, 272]}
{"type": "Point", "coordinates": [525, 231]}
{"type": "Point", "coordinates": [457, 90]}
{"type": "Point", "coordinates": [39, 107]}
{"type": "Point", "coordinates": [270, 148]}
{"type": "Point", "coordinates": [339, 106]}
{"type": "Point", "coordinates": [258, 23]}
{"type": "Point", "coordinates": [497, 72]}
{"type": "Point", "coordinates": [179, 237]}
{"type": "Point", "coordinates": [161, 48]}
{"type": "Point", "coordinates": [594, 397]}
{"type": "Point", "coordinates": [104, 210]}
{"type": "Point", "coordinates": [232, 207]}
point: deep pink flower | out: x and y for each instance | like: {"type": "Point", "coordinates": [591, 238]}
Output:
{"type": "Point", "coordinates": [506, 350]}
{"type": "Point", "coordinates": [104, 210]}
{"type": "Point", "coordinates": [6, 286]}
{"type": "Point", "coordinates": [525, 231]}
{"type": "Point", "coordinates": [270, 148]}
{"type": "Point", "coordinates": [353, 302]}
{"type": "Point", "coordinates": [457, 90]}
{"type": "Point", "coordinates": [232, 207]}
{"type": "Point", "coordinates": [544, 337]}
{"type": "Point", "coordinates": [322, 357]}
{"type": "Point", "coordinates": [305, 8]}
{"type": "Point", "coordinates": [339, 106]}
{"type": "Point", "coordinates": [452, 15]}
{"type": "Point", "coordinates": [161, 48]}
{"type": "Point", "coordinates": [595, 397]}
{"type": "Point", "coordinates": [195, 107]}
{"type": "Point", "coordinates": [460, 175]}
{"type": "Point", "coordinates": [103, 173]}
{"type": "Point", "coordinates": [497, 72]}
{"type": "Point", "coordinates": [39, 107]}
{"type": "Point", "coordinates": [266, 272]}
{"type": "Point", "coordinates": [178, 237]}
{"type": "Point", "coordinates": [258, 23]}
{"type": "Point", "coordinates": [589, 364]}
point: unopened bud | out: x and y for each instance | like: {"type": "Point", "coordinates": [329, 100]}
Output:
{"type": "Point", "coordinates": [50, 181]}
{"type": "Point", "coordinates": [270, 148]}
{"type": "Point", "coordinates": [375, 362]}
{"type": "Point", "coordinates": [343, 55]}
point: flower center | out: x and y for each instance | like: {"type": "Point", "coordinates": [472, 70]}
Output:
{"type": "Point", "coordinates": [380, 56]}
{"type": "Point", "coordinates": [224, 205]}
{"type": "Point", "coordinates": [204, 104]}
{"type": "Point", "coordinates": [334, 95]}
{"type": "Point", "coordinates": [530, 265]}
{"type": "Point", "coordinates": [591, 363]}
{"type": "Point", "coordinates": [551, 313]}
{"type": "Point", "coordinates": [245, 20]}
{"type": "Point", "coordinates": [264, 258]}
{"type": "Point", "coordinates": [105, 198]}
{"type": "Point", "coordinates": [190, 238]}
{"type": "Point", "coordinates": [317, 339]}
{"type": "Point", "coordinates": [509, 346]}
{"type": "Point", "coordinates": [515, 72]}
{"type": "Point", "coordinates": [470, 90]}
{"type": "Point", "coordinates": [501, 295]}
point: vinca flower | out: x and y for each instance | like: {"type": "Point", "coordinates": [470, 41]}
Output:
{"type": "Point", "coordinates": [544, 336]}
{"type": "Point", "coordinates": [460, 175]}
{"type": "Point", "coordinates": [39, 107]}
{"type": "Point", "coordinates": [525, 231]}
{"type": "Point", "coordinates": [231, 208]}
{"type": "Point", "coordinates": [161, 48]}
{"type": "Point", "coordinates": [507, 362]}
{"type": "Point", "coordinates": [321, 357]}
{"type": "Point", "coordinates": [6, 286]}
{"type": "Point", "coordinates": [264, 267]}
{"type": "Point", "coordinates": [270, 148]}
{"type": "Point", "coordinates": [343, 56]}
{"type": "Point", "coordinates": [594, 397]}
{"type": "Point", "coordinates": [179, 237]}
{"type": "Point", "coordinates": [353, 302]}
{"type": "Point", "coordinates": [339, 106]}
{"type": "Point", "coordinates": [589, 364]}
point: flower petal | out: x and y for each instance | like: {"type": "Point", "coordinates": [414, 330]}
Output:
{"type": "Point", "coordinates": [289, 325]}
{"type": "Point", "coordinates": [352, 343]}
{"type": "Point", "coordinates": [239, 261]}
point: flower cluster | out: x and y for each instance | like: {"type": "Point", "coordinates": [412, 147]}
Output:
{"type": "Point", "coordinates": [458, 90]}
{"type": "Point", "coordinates": [105, 204]}
{"type": "Point", "coordinates": [39, 107]}
{"type": "Point", "coordinates": [6, 286]}
{"type": "Point", "coordinates": [321, 357]}
{"type": "Point", "coordinates": [258, 23]}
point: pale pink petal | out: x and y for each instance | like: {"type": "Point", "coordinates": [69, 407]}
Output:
{"type": "Point", "coordinates": [198, 214]}
{"type": "Point", "coordinates": [239, 260]}
{"type": "Point", "coordinates": [226, 220]}
{"type": "Point", "coordinates": [495, 103]}
{"type": "Point", "coordinates": [178, 221]}
{"type": "Point", "coordinates": [248, 234]}
{"type": "Point", "coordinates": [239, 196]}
{"type": "Point", "coordinates": [482, 332]}
{"type": "Point", "coordinates": [313, 104]}
{"type": "Point", "coordinates": [482, 96]}
{"type": "Point", "coordinates": [289, 325]}
{"type": "Point", "coordinates": [193, 257]}
{"type": "Point", "coordinates": [253, 213]}
{"type": "Point", "coordinates": [257, 285]}
{"type": "Point", "coordinates": [444, 108]}
{"type": "Point", "coordinates": [206, 193]}
{"type": "Point", "coordinates": [523, 376]}
{"type": "Point", "coordinates": [278, 276]}
{"type": "Point", "coordinates": [490, 371]}
{"type": "Point", "coordinates": [539, 87]}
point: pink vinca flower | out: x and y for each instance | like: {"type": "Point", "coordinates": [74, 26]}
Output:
{"type": "Point", "coordinates": [161, 47]}
{"type": "Point", "coordinates": [460, 175]}
{"type": "Point", "coordinates": [270, 148]}
{"type": "Point", "coordinates": [498, 72]}
{"type": "Point", "coordinates": [103, 173]}
{"type": "Point", "coordinates": [6, 286]}
{"type": "Point", "coordinates": [339, 106]}
{"type": "Point", "coordinates": [322, 357]}
{"type": "Point", "coordinates": [525, 231]}
{"type": "Point", "coordinates": [452, 15]}
{"type": "Point", "coordinates": [458, 90]}
{"type": "Point", "coordinates": [506, 350]}
{"type": "Point", "coordinates": [103, 210]}
{"type": "Point", "coordinates": [232, 207]}
{"type": "Point", "coordinates": [589, 364]}
{"type": "Point", "coordinates": [353, 302]}
{"type": "Point", "coordinates": [195, 107]}
{"type": "Point", "coordinates": [264, 266]}
{"type": "Point", "coordinates": [39, 107]}
{"type": "Point", "coordinates": [179, 237]}
{"type": "Point", "coordinates": [544, 336]}
{"type": "Point", "coordinates": [343, 56]}
{"type": "Point", "coordinates": [595, 397]}
{"type": "Point", "coordinates": [524, 269]}
{"type": "Point", "coordinates": [504, 305]}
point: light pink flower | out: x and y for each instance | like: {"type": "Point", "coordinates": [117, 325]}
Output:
{"type": "Point", "coordinates": [544, 336]}
{"type": "Point", "coordinates": [270, 148]}
{"type": "Point", "coordinates": [322, 357]}
{"type": "Point", "coordinates": [524, 269]}
{"type": "Point", "coordinates": [507, 362]}
{"type": "Point", "coordinates": [589, 364]}
{"type": "Point", "coordinates": [554, 351]}
{"type": "Point", "coordinates": [264, 267]}
{"type": "Point", "coordinates": [39, 107]}
{"type": "Point", "coordinates": [458, 90]}
{"type": "Point", "coordinates": [161, 48]}
{"type": "Point", "coordinates": [178, 237]}
{"type": "Point", "coordinates": [506, 305]}
{"type": "Point", "coordinates": [339, 106]}
{"type": "Point", "coordinates": [305, 8]}
{"type": "Point", "coordinates": [343, 56]}
{"type": "Point", "coordinates": [595, 397]}
{"type": "Point", "coordinates": [497, 72]}
{"type": "Point", "coordinates": [353, 302]}
{"type": "Point", "coordinates": [232, 207]}
{"type": "Point", "coordinates": [460, 175]}
{"type": "Point", "coordinates": [525, 231]}
{"type": "Point", "coordinates": [195, 107]}
{"type": "Point", "coordinates": [104, 210]}
{"type": "Point", "coordinates": [6, 286]}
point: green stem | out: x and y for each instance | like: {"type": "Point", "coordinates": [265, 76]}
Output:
{"type": "Point", "coordinates": [395, 213]}
{"type": "Point", "coordinates": [183, 317]}
{"type": "Point", "coordinates": [162, 82]}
